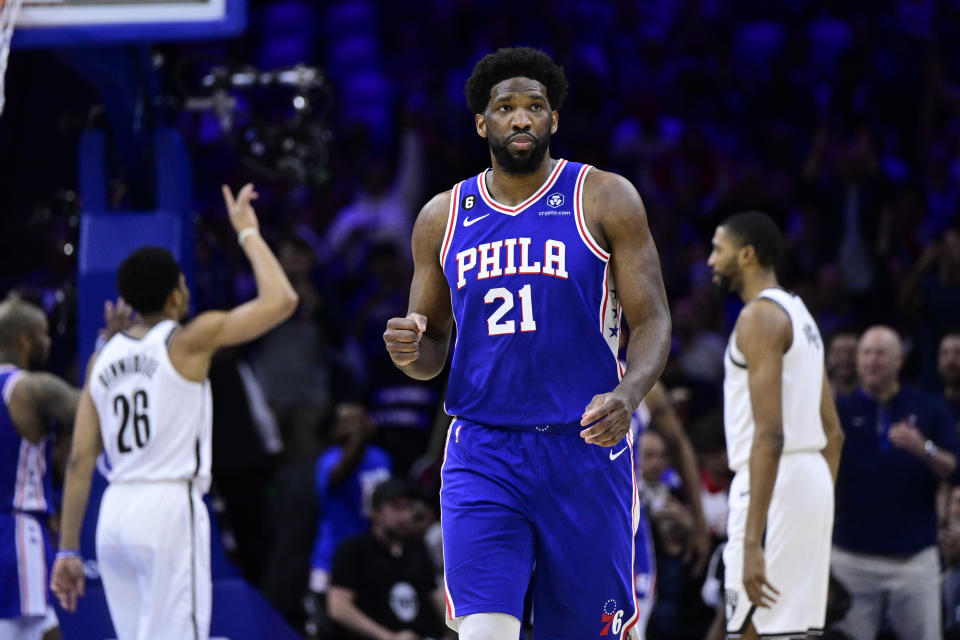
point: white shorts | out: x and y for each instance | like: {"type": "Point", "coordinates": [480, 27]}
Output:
{"type": "Point", "coordinates": [153, 552]}
{"type": "Point", "coordinates": [796, 550]}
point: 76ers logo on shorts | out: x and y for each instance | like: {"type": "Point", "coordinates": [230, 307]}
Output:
{"type": "Point", "coordinates": [555, 200]}
{"type": "Point", "coordinates": [612, 618]}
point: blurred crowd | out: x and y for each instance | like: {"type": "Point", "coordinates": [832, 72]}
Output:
{"type": "Point", "coordinates": [841, 121]}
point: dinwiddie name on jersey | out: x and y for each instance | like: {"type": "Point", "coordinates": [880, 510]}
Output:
{"type": "Point", "coordinates": [130, 365]}
{"type": "Point", "coordinates": [510, 257]}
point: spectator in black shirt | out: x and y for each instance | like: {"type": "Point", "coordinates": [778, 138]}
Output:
{"type": "Point", "coordinates": [383, 585]}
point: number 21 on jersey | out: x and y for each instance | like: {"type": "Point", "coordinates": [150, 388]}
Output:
{"type": "Point", "coordinates": [497, 328]}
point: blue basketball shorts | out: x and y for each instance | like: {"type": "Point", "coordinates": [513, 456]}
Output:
{"type": "Point", "coordinates": [513, 500]}
{"type": "Point", "coordinates": [26, 555]}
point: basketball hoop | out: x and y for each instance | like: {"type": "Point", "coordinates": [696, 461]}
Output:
{"type": "Point", "coordinates": [9, 10]}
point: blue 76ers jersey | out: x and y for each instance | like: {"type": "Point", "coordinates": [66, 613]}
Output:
{"type": "Point", "coordinates": [537, 315]}
{"type": "Point", "coordinates": [24, 481]}
{"type": "Point", "coordinates": [25, 550]}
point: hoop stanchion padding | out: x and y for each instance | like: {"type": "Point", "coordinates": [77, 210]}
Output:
{"type": "Point", "coordinates": [105, 240]}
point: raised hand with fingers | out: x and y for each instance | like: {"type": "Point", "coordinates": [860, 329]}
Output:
{"type": "Point", "coordinates": [402, 338]}
{"type": "Point", "coordinates": [67, 581]}
{"type": "Point", "coordinates": [117, 317]}
{"type": "Point", "coordinates": [242, 215]}
{"type": "Point", "coordinates": [611, 414]}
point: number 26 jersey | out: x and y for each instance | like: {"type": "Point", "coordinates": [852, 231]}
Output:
{"type": "Point", "coordinates": [537, 316]}
{"type": "Point", "coordinates": [156, 425]}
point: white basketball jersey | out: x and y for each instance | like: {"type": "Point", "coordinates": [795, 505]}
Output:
{"type": "Point", "coordinates": [803, 372]}
{"type": "Point", "coordinates": [156, 425]}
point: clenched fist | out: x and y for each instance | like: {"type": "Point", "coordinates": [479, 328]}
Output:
{"type": "Point", "coordinates": [402, 338]}
{"type": "Point", "coordinates": [607, 419]}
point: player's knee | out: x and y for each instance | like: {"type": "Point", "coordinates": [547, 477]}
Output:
{"type": "Point", "coordinates": [489, 626]}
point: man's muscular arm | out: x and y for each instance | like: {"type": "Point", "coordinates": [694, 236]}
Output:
{"type": "Point", "coordinates": [193, 346]}
{"type": "Point", "coordinates": [418, 343]}
{"type": "Point", "coordinates": [618, 221]}
{"type": "Point", "coordinates": [67, 577]}
{"type": "Point", "coordinates": [39, 397]}
{"type": "Point", "coordinates": [763, 335]}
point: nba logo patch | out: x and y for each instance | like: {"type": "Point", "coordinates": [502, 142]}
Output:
{"type": "Point", "coordinates": [555, 199]}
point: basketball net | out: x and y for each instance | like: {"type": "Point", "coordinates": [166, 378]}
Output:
{"type": "Point", "coordinates": [9, 10]}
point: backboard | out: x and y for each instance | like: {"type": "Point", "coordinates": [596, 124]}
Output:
{"type": "Point", "coordinates": [53, 23]}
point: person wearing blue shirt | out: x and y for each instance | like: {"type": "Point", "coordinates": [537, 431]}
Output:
{"type": "Point", "coordinates": [900, 445]}
{"type": "Point", "coordinates": [346, 475]}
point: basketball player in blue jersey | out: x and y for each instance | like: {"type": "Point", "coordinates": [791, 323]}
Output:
{"type": "Point", "coordinates": [32, 401]}
{"type": "Point", "coordinates": [535, 260]}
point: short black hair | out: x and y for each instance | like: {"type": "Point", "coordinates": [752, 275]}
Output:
{"type": "Point", "coordinates": [146, 277]}
{"type": "Point", "coordinates": [845, 330]}
{"type": "Point", "coordinates": [515, 62]}
{"type": "Point", "coordinates": [391, 489]}
{"type": "Point", "coordinates": [759, 231]}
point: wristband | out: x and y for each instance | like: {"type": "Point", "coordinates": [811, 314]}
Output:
{"type": "Point", "coordinates": [68, 553]}
{"type": "Point", "coordinates": [246, 233]}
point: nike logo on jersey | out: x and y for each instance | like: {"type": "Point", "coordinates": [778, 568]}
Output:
{"type": "Point", "coordinates": [614, 456]}
{"type": "Point", "coordinates": [467, 221]}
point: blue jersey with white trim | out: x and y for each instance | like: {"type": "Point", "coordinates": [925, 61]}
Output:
{"type": "Point", "coordinates": [537, 317]}
{"type": "Point", "coordinates": [24, 481]}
